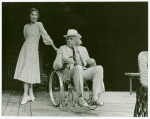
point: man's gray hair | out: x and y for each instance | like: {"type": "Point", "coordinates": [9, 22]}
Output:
{"type": "Point", "coordinates": [78, 41]}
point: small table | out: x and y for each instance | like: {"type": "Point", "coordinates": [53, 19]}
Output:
{"type": "Point", "coordinates": [131, 76]}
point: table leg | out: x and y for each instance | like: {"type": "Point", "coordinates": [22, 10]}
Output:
{"type": "Point", "coordinates": [130, 85]}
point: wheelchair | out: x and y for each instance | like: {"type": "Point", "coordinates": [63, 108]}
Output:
{"type": "Point", "coordinates": [62, 90]}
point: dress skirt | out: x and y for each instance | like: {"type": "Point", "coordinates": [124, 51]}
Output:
{"type": "Point", "coordinates": [27, 69]}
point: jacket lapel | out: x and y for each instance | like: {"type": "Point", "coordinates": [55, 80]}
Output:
{"type": "Point", "coordinates": [81, 55]}
{"type": "Point", "coordinates": [69, 51]}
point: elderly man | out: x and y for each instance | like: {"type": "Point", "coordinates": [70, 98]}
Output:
{"type": "Point", "coordinates": [78, 58]}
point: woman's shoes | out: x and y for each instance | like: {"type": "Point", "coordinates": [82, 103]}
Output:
{"type": "Point", "coordinates": [98, 102]}
{"type": "Point", "coordinates": [25, 99]}
{"type": "Point", "coordinates": [31, 98]}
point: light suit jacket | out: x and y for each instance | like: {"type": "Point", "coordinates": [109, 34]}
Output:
{"type": "Point", "coordinates": [66, 52]}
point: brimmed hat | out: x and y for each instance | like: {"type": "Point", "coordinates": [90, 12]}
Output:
{"type": "Point", "coordinates": [72, 32]}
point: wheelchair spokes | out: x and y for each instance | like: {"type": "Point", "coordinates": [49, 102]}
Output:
{"type": "Point", "coordinates": [64, 103]}
{"type": "Point", "coordinates": [67, 101]}
{"type": "Point", "coordinates": [56, 97]}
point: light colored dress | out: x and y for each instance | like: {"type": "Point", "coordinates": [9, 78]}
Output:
{"type": "Point", "coordinates": [27, 69]}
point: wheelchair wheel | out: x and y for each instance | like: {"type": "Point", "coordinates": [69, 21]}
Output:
{"type": "Point", "coordinates": [56, 88]}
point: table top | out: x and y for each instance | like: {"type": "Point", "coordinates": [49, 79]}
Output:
{"type": "Point", "coordinates": [132, 74]}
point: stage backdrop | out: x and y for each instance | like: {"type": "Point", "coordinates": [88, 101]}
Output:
{"type": "Point", "coordinates": [114, 33]}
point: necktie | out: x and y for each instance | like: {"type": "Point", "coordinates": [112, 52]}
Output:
{"type": "Point", "coordinates": [74, 56]}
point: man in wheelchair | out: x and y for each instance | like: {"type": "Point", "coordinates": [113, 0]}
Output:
{"type": "Point", "coordinates": [78, 59]}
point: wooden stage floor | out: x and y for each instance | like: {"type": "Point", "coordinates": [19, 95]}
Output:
{"type": "Point", "coordinates": [117, 104]}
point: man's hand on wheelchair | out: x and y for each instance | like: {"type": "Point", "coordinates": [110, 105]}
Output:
{"type": "Point", "coordinates": [66, 66]}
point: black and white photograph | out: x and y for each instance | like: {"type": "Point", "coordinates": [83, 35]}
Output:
{"type": "Point", "coordinates": [74, 58]}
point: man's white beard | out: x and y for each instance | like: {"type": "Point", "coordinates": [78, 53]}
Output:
{"type": "Point", "coordinates": [70, 45]}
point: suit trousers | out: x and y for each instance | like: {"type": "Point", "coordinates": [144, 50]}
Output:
{"type": "Point", "coordinates": [93, 73]}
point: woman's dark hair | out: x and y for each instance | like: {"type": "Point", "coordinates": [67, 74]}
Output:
{"type": "Point", "coordinates": [31, 10]}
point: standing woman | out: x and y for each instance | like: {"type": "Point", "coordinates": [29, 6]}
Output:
{"type": "Point", "coordinates": [27, 69]}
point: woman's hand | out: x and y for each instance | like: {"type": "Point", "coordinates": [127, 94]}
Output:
{"type": "Point", "coordinates": [56, 49]}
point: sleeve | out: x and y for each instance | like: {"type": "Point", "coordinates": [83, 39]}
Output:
{"type": "Point", "coordinates": [24, 32]}
{"type": "Point", "coordinates": [46, 38]}
{"type": "Point", "coordinates": [58, 63]}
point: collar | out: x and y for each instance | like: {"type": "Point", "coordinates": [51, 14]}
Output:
{"type": "Point", "coordinates": [75, 47]}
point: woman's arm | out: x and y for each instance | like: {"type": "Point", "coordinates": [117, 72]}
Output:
{"type": "Point", "coordinates": [24, 32]}
{"type": "Point", "coordinates": [46, 38]}
{"type": "Point", "coordinates": [58, 63]}
{"type": "Point", "coordinates": [54, 46]}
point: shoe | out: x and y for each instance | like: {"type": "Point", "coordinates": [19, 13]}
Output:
{"type": "Point", "coordinates": [25, 99]}
{"type": "Point", "coordinates": [98, 102]}
{"type": "Point", "coordinates": [31, 96]}
{"type": "Point", "coordinates": [82, 102]}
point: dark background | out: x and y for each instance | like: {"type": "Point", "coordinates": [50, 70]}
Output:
{"type": "Point", "coordinates": [114, 33]}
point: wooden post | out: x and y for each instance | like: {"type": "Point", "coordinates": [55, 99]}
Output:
{"type": "Point", "coordinates": [130, 85]}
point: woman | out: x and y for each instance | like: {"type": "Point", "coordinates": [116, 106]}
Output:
{"type": "Point", "coordinates": [27, 69]}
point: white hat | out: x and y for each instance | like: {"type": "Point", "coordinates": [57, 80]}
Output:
{"type": "Point", "coordinates": [72, 32]}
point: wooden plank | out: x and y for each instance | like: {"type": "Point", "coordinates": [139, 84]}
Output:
{"type": "Point", "coordinates": [42, 106]}
{"type": "Point", "coordinates": [6, 94]}
{"type": "Point", "coordinates": [116, 104]}
{"type": "Point", "coordinates": [114, 114]}
{"type": "Point", "coordinates": [16, 103]}
{"type": "Point", "coordinates": [14, 100]}
{"type": "Point", "coordinates": [110, 109]}
{"type": "Point", "coordinates": [25, 110]}
{"type": "Point", "coordinates": [9, 106]}
{"type": "Point", "coordinates": [47, 110]}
